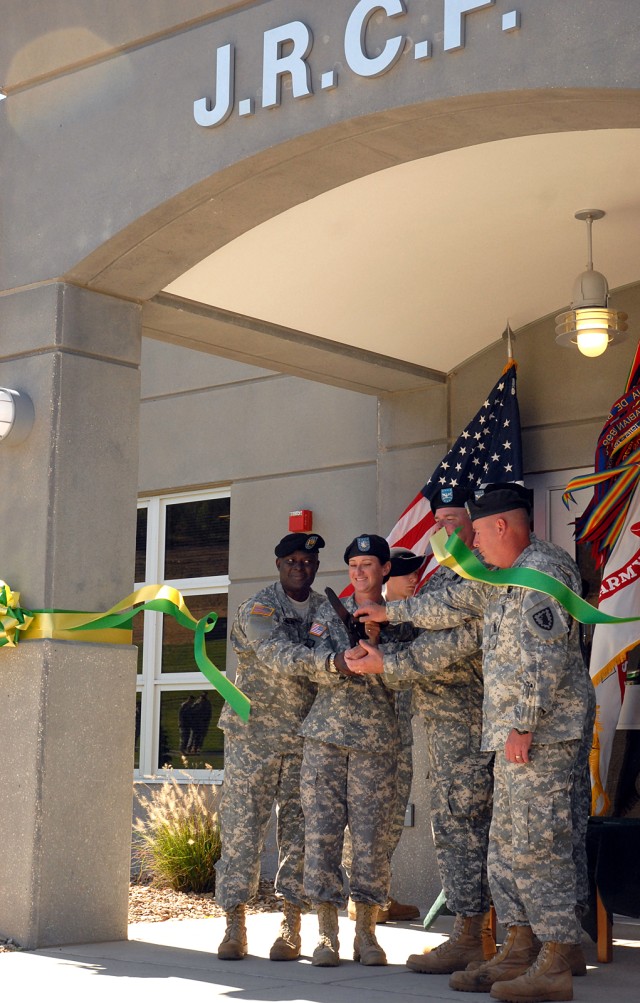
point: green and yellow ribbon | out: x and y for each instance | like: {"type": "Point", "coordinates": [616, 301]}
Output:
{"type": "Point", "coordinates": [13, 619]}
{"type": "Point", "coordinates": [114, 627]}
{"type": "Point", "coordinates": [453, 553]}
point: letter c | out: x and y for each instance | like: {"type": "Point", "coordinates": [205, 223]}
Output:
{"type": "Point", "coordinates": [354, 38]}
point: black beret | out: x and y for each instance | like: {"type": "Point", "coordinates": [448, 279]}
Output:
{"type": "Point", "coordinates": [377, 546]}
{"type": "Point", "coordinates": [498, 498]}
{"type": "Point", "coordinates": [404, 562]}
{"type": "Point", "coordinates": [450, 498]}
{"type": "Point", "coordinates": [311, 542]}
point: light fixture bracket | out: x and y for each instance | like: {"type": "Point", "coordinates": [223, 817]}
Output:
{"type": "Point", "coordinates": [585, 214]}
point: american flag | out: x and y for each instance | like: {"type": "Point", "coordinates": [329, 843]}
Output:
{"type": "Point", "coordinates": [489, 450]}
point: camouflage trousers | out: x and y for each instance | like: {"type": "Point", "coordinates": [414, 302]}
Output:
{"type": "Point", "coordinates": [340, 787]}
{"type": "Point", "coordinates": [253, 780]}
{"type": "Point", "coordinates": [404, 778]}
{"type": "Point", "coordinates": [532, 872]}
{"type": "Point", "coordinates": [461, 800]}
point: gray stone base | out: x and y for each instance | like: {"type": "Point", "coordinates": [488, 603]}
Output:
{"type": "Point", "coordinates": [65, 791]}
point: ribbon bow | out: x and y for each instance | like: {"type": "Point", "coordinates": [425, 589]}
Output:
{"type": "Point", "coordinates": [12, 618]}
{"type": "Point", "coordinates": [114, 627]}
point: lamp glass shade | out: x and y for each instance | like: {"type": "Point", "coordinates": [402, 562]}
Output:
{"type": "Point", "coordinates": [592, 329]}
{"type": "Point", "coordinates": [592, 342]}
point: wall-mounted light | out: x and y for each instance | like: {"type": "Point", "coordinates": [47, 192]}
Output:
{"type": "Point", "coordinates": [16, 415]}
{"type": "Point", "coordinates": [590, 324]}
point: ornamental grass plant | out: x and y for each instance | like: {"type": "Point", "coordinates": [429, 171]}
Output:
{"type": "Point", "coordinates": [177, 842]}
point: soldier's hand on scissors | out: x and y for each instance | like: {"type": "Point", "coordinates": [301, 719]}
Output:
{"type": "Point", "coordinates": [372, 612]}
{"type": "Point", "coordinates": [370, 664]}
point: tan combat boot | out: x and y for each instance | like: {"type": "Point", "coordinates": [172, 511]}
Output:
{"type": "Point", "coordinates": [471, 942]}
{"type": "Point", "coordinates": [233, 946]}
{"type": "Point", "coordinates": [326, 954]}
{"type": "Point", "coordinates": [548, 978]}
{"type": "Point", "coordinates": [516, 955]}
{"type": "Point", "coordinates": [399, 912]}
{"type": "Point", "coordinates": [383, 914]}
{"type": "Point", "coordinates": [287, 945]}
{"type": "Point", "coordinates": [366, 948]}
{"type": "Point", "coordinates": [576, 959]}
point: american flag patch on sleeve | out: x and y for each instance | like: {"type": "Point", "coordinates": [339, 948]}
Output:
{"type": "Point", "coordinates": [318, 629]}
{"type": "Point", "coordinates": [259, 609]}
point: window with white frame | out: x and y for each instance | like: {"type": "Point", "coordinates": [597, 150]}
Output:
{"type": "Point", "coordinates": [182, 540]}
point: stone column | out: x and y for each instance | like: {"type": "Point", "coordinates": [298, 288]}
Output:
{"type": "Point", "coordinates": [67, 511]}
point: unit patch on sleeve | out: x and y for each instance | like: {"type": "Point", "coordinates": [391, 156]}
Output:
{"type": "Point", "coordinates": [259, 609]}
{"type": "Point", "coordinates": [318, 629]}
{"type": "Point", "coordinates": [544, 618]}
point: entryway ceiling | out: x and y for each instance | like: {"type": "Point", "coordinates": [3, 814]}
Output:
{"type": "Point", "coordinates": [425, 262]}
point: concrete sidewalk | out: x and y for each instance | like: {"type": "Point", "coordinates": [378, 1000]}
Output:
{"type": "Point", "coordinates": [171, 961]}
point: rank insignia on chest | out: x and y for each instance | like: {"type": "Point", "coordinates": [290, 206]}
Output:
{"type": "Point", "coordinates": [544, 618]}
{"type": "Point", "coordinates": [259, 609]}
{"type": "Point", "coordinates": [318, 629]}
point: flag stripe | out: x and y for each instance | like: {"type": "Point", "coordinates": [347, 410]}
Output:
{"type": "Point", "coordinates": [489, 449]}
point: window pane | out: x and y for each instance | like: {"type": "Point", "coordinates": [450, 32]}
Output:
{"type": "Point", "coordinates": [177, 641]}
{"type": "Point", "coordinates": [197, 539]}
{"type": "Point", "coordinates": [136, 753]}
{"type": "Point", "coordinates": [189, 735]}
{"type": "Point", "coordinates": [141, 545]}
{"type": "Point", "coordinates": [137, 625]}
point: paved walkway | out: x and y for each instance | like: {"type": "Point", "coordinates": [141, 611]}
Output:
{"type": "Point", "coordinates": [174, 961]}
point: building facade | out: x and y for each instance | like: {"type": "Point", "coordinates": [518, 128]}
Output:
{"type": "Point", "coordinates": [256, 258]}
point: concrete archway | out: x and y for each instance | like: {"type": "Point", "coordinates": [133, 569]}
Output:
{"type": "Point", "coordinates": [115, 191]}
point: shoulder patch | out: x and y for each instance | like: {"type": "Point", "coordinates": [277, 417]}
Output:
{"type": "Point", "coordinates": [259, 609]}
{"type": "Point", "coordinates": [544, 618]}
{"type": "Point", "coordinates": [318, 629]}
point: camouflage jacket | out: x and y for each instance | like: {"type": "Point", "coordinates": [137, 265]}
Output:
{"type": "Point", "coordinates": [279, 702]}
{"type": "Point", "coordinates": [534, 675]}
{"type": "Point", "coordinates": [353, 712]}
{"type": "Point", "coordinates": [443, 668]}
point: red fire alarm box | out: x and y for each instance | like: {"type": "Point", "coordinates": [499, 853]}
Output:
{"type": "Point", "coordinates": [301, 521]}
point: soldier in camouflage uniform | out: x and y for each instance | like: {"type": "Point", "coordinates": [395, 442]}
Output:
{"type": "Point", "coordinates": [401, 583]}
{"type": "Point", "coordinates": [263, 755]}
{"type": "Point", "coordinates": [536, 700]}
{"type": "Point", "coordinates": [349, 772]}
{"type": "Point", "coordinates": [460, 774]}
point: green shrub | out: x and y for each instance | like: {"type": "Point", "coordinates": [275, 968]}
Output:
{"type": "Point", "coordinates": [178, 842]}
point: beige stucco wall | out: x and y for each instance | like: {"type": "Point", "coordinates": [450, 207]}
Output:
{"type": "Point", "coordinates": [122, 109]}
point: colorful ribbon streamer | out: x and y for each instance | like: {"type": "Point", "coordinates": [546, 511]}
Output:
{"type": "Point", "coordinates": [453, 553]}
{"type": "Point", "coordinates": [114, 627]}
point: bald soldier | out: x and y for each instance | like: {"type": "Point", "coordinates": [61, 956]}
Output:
{"type": "Point", "coordinates": [535, 703]}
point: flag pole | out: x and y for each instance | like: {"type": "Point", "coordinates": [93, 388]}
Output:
{"type": "Point", "coordinates": [509, 337]}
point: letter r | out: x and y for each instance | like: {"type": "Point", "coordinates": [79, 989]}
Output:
{"type": "Point", "coordinates": [274, 64]}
